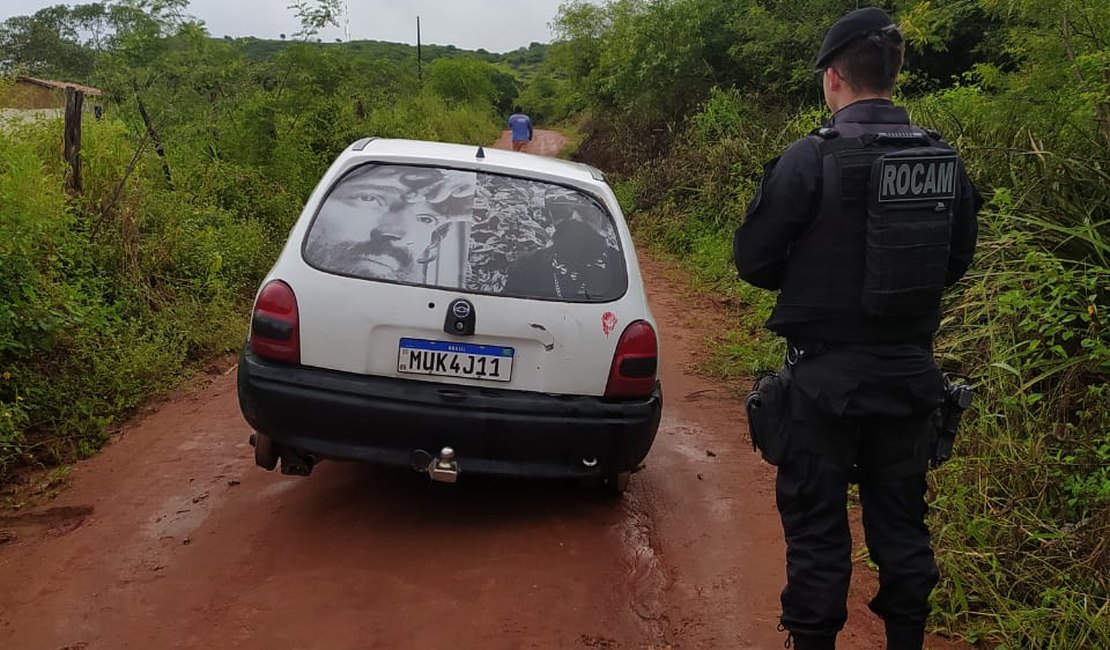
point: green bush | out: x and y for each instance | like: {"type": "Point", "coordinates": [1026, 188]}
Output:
{"type": "Point", "coordinates": [463, 82]}
{"type": "Point", "coordinates": [685, 121]}
{"type": "Point", "coordinates": [114, 294]}
{"type": "Point", "coordinates": [427, 116]}
{"type": "Point", "coordinates": [1022, 515]}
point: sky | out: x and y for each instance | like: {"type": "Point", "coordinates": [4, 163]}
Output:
{"type": "Point", "coordinates": [495, 25]}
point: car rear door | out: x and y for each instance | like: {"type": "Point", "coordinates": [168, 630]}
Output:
{"type": "Point", "coordinates": [461, 277]}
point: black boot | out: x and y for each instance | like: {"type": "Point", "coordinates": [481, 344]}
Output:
{"type": "Point", "coordinates": [904, 637]}
{"type": "Point", "coordinates": [805, 642]}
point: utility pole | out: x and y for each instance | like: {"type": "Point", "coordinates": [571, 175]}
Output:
{"type": "Point", "coordinates": [419, 54]}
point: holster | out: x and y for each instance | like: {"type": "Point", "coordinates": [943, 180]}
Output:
{"type": "Point", "coordinates": [957, 398]}
{"type": "Point", "coordinates": [768, 406]}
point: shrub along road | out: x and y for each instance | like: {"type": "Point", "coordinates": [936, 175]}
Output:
{"type": "Point", "coordinates": [173, 538]}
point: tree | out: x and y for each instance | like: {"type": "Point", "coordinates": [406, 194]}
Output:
{"type": "Point", "coordinates": [316, 15]}
{"type": "Point", "coordinates": [462, 81]}
{"type": "Point", "coordinates": [46, 43]}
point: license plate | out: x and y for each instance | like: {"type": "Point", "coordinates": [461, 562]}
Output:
{"type": "Point", "coordinates": [442, 359]}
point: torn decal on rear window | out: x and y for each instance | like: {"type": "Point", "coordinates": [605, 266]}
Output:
{"type": "Point", "coordinates": [482, 233]}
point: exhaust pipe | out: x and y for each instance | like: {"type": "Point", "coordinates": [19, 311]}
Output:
{"type": "Point", "coordinates": [296, 463]}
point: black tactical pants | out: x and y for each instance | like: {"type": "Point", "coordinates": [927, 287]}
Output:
{"type": "Point", "coordinates": [858, 415]}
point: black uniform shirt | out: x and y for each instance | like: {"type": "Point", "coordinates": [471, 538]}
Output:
{"type": "Point", "coordinates": [875, 377]}
{"type": "Point", "coordinates": [788, 199]}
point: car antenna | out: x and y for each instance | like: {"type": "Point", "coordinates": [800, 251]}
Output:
{"type": "Point", "coordinates": [481, 152]}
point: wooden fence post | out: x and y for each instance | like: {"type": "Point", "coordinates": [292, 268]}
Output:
{"type": "Point", "coordinates": [153, 135]}
{"type": "Point", "coordinates": [75, 101]}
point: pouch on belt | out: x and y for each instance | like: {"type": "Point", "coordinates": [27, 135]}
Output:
{"type": "Point", "coordinates": [768, 406]}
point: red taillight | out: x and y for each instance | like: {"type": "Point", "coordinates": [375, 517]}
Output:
{"type": "Point", "coordinates": [635, 363]}
{"type": "Point", "coordinates": [275, 325]}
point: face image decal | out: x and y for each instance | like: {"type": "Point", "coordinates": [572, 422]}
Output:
{"type": "Point", "coordinates": [483, 233]}
{"type": "Point", "coordinates": [396, 223]}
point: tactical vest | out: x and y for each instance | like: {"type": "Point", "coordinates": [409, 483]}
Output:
{"type": "Point", "coordinates": [876, 256]}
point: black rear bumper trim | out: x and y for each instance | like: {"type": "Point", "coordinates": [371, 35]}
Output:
{"type": "Point", "coordinates": [385, 420]}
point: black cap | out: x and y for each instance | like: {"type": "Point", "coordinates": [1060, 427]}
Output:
{"type": "Point", "coordinates": [851, 26]}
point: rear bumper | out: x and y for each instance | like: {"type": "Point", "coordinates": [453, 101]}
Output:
{"type": "Point", "coordinates": [389, 421]}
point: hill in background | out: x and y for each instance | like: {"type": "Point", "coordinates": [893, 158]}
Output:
{"type": "Point", "coordinates": [524, 60]}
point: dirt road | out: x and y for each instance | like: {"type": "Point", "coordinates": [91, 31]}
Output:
{"type": "Point", "coordinates": [544, 143]}
{"type": "Point", "coordinates": [171, 538]}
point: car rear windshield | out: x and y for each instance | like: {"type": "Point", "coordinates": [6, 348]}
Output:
{"type": "Point", "coordinates": [469, 231]}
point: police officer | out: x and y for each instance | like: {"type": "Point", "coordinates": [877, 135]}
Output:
{"type": "Point", "coordinates": [860, 226]}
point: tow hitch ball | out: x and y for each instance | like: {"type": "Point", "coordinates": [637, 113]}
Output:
{"type": "Point", "coordinates": [444, 468]}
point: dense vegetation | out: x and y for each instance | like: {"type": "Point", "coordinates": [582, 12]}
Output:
{"type": "Point", "coordinates": [687, 99]}
{"type": "Point", "coordinates": [109, 295]}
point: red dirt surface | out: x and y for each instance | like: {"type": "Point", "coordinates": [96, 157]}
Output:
{"type": "Point", "coordinates": [172, 538]}
{"type": "Point", "coordinates": [544, 143]}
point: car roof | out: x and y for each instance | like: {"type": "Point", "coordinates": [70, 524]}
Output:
{"type": "Point", "coordinates": [466, 156]}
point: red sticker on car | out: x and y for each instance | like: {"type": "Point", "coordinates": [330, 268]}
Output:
{"type": "Point", "coordinates": [608, 322]}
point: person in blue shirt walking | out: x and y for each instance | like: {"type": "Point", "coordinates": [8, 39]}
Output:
{"type": "Point", "coordinates": [521, 126]}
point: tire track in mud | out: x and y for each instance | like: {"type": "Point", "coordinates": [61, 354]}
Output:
{"type": "Point", "coordinates": [646, 577]}
{"type": "Point", "coordinates": [646, 580]}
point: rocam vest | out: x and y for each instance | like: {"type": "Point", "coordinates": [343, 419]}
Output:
{"type": "Point", "coordinates": [872, 265]}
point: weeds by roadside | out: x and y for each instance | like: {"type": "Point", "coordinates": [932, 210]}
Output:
{"type": "Point", "coordinates": [1021, 517]}
{"type": "Point", "coordinates": [116, 294]}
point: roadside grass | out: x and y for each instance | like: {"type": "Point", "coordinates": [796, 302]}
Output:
{"type": "Point", "coordinates": [575, 134]}
{"type": "Point", "coordinates": [740, 352]}
{"type": "Point", "coordinates": [120, 294]}
{"type": "Point", "coordinates": [1021, 516]}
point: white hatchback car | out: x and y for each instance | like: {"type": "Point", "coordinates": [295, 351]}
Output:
{"type": "Point", "coordinates": [456, 310]}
